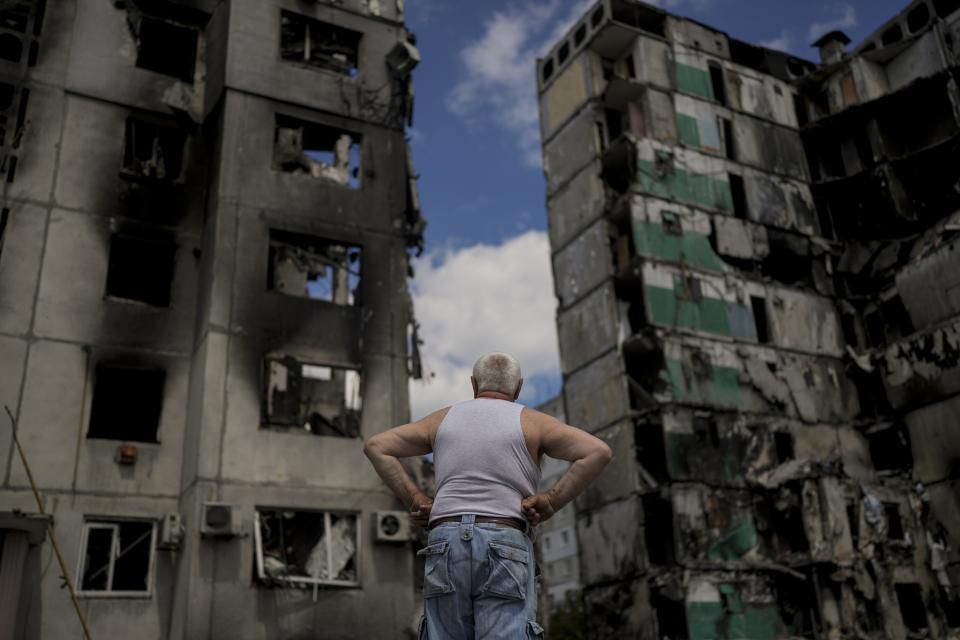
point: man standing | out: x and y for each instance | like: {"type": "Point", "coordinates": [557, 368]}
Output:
{"type": "Point", "coordinates": [479, 575]}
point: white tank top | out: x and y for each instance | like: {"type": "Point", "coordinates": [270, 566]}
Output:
{"type": "Point", "coordinates": [481, 462]}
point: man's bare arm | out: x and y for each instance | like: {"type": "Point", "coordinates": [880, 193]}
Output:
{"type": "Point", "coordinates": [588, 455]}
{"type": "Point", "coordinates": [385, 450]}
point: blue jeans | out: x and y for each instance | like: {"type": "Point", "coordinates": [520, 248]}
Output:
{"type": "Point", "coordinates": [478, 583]}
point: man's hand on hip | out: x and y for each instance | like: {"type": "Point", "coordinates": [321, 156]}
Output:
{"type": "Point", "coordinates": [537, 508]}
{"type": "Point", "coordinates": [420, 509]}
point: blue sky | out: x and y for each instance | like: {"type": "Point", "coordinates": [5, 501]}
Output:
{"type": "Point", "coordinates": [484, 283]}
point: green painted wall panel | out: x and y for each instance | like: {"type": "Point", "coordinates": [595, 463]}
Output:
{"type": "Point", "coordinates": [681, 185]}
{"type": "Point", "coordinates": [735, 543]}
{"type": "Point", "coordinates": [688, 457]}
{"type": "Point", "coordinates": [720, 388]}
{"type": "Point", "coordinates": [689, 130]}
{"type": "Point", "coordinates": [693, 80]}
{"type": "Point", "coordinates": [709, 314]}
{"type": "Point", "coordinates": [689, 248]}
{"type": "Point", "coordinates": [712, 621]}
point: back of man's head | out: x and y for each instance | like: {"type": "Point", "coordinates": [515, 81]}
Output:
{"type": "Point", "coordinates": [498, 372]}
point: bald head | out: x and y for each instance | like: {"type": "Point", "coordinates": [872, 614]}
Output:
{"type": "Point", "coordinates": [499, 372]}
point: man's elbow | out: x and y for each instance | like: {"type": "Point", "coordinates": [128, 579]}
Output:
{"type": "Point", "coordinates": [371, 446]}
{"type": "Point", "coordinates": [604, 453]}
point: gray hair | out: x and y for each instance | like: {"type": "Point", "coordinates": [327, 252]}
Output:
{"type": "Point", "coordinates": [497, 372]}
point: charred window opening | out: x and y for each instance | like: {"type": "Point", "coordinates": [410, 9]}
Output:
{"type": "Point", "coordinates": [945, 8]}
{"type": "Point", "coordinates": [853, 520]}
{"type": "Point", "coordinates": [127, 402]}
{"type": "Point", "coordinates": [717, 82]}
{"type": "Point", "coordinates": [781, 521]}
{"type": "Point", "coordinates": [873, 322]}
{"type": "Point", "coordinates": [896, 316]}
{"type": "Point", "coordinates": [152, 151]}
{"type": "Point", "coordinates": [310, 267]}
{"type": "Point", "coordinates": [783, 443]}
{"type": "Point", "coordinates": [563, 53]}
{"type": "Point", "coordinates": [918, 18]}
{"type": "Point", "coordinates": [547, 69]}
{"type": "Point", "coordinates": [797, 604]}
{"type": "Point", "coordinates": [890, 448]}
{"type": "Point", "coordinates": [831, 160]}
{"type": "Point", "coordinates": [639, 17]}
{"type": "Point", "coordinates": [317, 150]}
{"type": "Point", "coordinates": [117, 557]}
{"type": "Point", "coordinates": [912, 609]}
{"type": "Point", "coordinates": [671, 616]}
{"type": "Point", "coordinates": [614, 122]}
{"type": "Point", "coordinates": [800, 108]}
{"type": "Point", "coordinates": [729, 140]}
{"type": "Point", "coordinates": [895, 530]}
{"type": "Point", "coordinates": [319, 44]}
{"type": "Point", "coordinates": [141, 269]}
{"type": "Point", "coordinates": [658, 532]}
{"type": "Point", "coordinates": [15, 16]}
{"type": "Point", "coordinates": [706, 431]}
{"type": "Point", "coordinates": [306, 548]}
{"type": "Point", "coordinates": [320, 399]}
{"type": "Point", "coordinates": [166, 47]}
{"type": "Point", "coordinates": [760, 321]}
{"type": "Point", "coordinates": [650, 449]}
{"type": "Point", "coordinates": [892, 35]}
{"type": "Point", "coordinates": [739, 193]}
{"type": "Point", "coordinates": [11, 48]}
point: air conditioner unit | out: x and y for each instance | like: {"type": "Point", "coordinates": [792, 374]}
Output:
{"type": "Point", "coordinates": [393, 526]}
{"type": "Point", "coordinates": [403, 58]}
{"type": "Point", "coordinates": [220, 520]}
{"type": "Point", "coordinates": [171, 531]}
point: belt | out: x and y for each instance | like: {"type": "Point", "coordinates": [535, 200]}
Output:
{"type": "Point", "coordinates": [513, 523]}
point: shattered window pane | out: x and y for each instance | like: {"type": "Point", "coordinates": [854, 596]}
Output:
{"type": "Point", "coordinates": [311, 267]}
{"type": "Point", "coordinates": [322, 152]}
{"type": "Point", "coordinates": [319, 44]}
{"type": "Point", "coordinates": [152, 150]}
{"type": "Point", "coordinates": [302, 548]}
{"type": "Point", "coordinates": [322, 400]}
{"type": "Point", "coordinates": [117, 557]}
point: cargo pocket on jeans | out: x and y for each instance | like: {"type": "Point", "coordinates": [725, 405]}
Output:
{"type": "Point", "coordinates": [508, 571]}
{"type": "Point", "coordinates": [534, 630]}
{"type": "Point", "coordinates": [436, 576]}
{"type": "Point", "coordinates": [422, 633]}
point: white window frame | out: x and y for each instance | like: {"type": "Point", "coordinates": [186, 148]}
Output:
{"type": "Point", "coordinates": [357, 560]}
{"type": "Point", "coordinates": [113, 524]}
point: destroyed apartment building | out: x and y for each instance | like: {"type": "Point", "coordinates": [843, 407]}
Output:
{"type": "Point", "coordinates": [208, 210]}
{"type": "Point", "coordinates": [756, 259]}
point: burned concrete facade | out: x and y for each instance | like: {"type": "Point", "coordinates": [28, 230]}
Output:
{"type": "Point", "coordinates": [754, 257]}
{"type": "Point", "coordinates": [207, 213]}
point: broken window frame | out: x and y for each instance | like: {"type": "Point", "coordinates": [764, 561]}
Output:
{"type": "Point", "coordinates": [258, 550]}
{"type": "Point", "coordinates": [114, 524]}
{"type": "Point", "coordinates": [349, 67]}
{"type": "Point", "coordinates": [296, 151]}
{"type": "Point", "coordinates": [147, 61]}
{"type": "Point", "coordinates": [302, 247]}
{"type": "Point", "coordinates": [351, 405]}
{"type": "Point", "coordinates": [174, 140]}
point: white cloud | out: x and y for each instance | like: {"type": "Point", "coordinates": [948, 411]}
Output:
{"type": "Point", "coordinates": [783, 42]}
{"type": "Point", "coordinates": [480, 299]}
{"type": "Point", "coordinates": [845, 18]}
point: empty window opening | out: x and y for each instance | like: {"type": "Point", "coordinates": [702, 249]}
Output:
{"type": "Point", "coordinates": [729, 142]}
{"type": "Point", "coordinates": [861, 142]}
{"type": "Point", "coordinates": [580, 35]}
{"type": "Point", "coordinates": [706, 431]}
{"type": "Point", "coordinates": [640, 17]}
{"type": "Point", "coordinates": [614, 120]}
{"type": "Point", "coordinates": [873, 322]}
{"type": "Point", "coordinates": [152, 151]}
{"type": "Point", "coordinates": [600, 133]}
{"type": "Point", "coordinates": [317, 150]}
{"type": "Point", "coordinates": [117, 557]}
{"type": "Point", "coordinates": [800, 108]}
{"type": "Point", "coordinates": [853, 520]}
{"type": "Point", "coordinates": [831, 159]}
{"type": "Point", "coordinates": [319, 44]}
{"type": "Point", "coordinates": [785, 520]}
{"type": "Point", "coordinates": [11, 48]}
{"type": "Point", "coordinates": [303, 548]}
{"type": "Point", "coordinates": [310, 267]}
{"type": "Point", "coordinates": [320, 399]}
{"type": "Point", "coordinates": [892, 35]}
{"type": "Point", "coordinates": [918, 18]}
{"type": "Point", "coordinates": [141, 269]}
{"type": "Point", "coordinates": [759, 306]}
{"type": "Point", "coordinates": [563, 53]}
{"type": "Point", "coordinates": [547, 69]}
{"type": "Point", "coordinates": [896, 316]}
{"type": "Point", "coordinates": [894, 521]}
{"type": "Point", "coordinates": [630, 66]}
{"type": "Point", "coordinates": [166, 47]}
{"type": "Point", "coordinates": [687, 288]}
{"type": "Point", "coordinates": [783, 442]}
{"type": "Point", "coordinates": [945, 8]}
{"type": "Point", "coordinates": [15, 16]}
{"type": "Point", "coordinates": [659, 538]}
{"type": "Point", "coordinates": [127, 402]}
{"type": "Point", "coordinates": [717, 82]}
{"type": "Point", "coordinates": [597, 17]}
{"type": "Point", "coordinates": [890, 448]}
{"type": "Point", "coordinates": [912, 609]}
{"type": "Point", "coordinates": [6, 96]}
{"type": "Point", "coordinates": [671, 223]}
{"type": "Point", "coordinates": [738, 192]}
